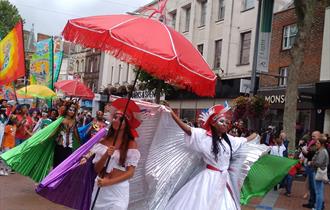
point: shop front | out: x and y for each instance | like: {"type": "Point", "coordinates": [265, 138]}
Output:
{"type": "Point", "coordinates": [306, 110]}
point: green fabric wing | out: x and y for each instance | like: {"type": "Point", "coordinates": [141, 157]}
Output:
{"type": "Point", "coordinates": [264, 174]}
{"type": "Point", "coordinates": [34, 157]}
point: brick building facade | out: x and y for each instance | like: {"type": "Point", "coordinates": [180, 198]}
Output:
{"type": "Point", "coordinates": [273, 85]}
{"type": "Point", "coordinates": [282, 58]}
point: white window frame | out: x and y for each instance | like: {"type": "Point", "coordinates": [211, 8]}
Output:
{"type": "Point", "coordinates": [289, 34]}
{"type": "Point", "coordinates": [283, 79]}
{"type": "Point", "coordinates": [248, 4]}
{"type": "Point", "coordinates": [187, 15]}
{"type": "Point", "coordinates": [203, 9]}
{"type": "Point", "coordinates": [173, 16]}
{"type": "Point", "coordinates": [221, 10]}
{"type": "Point", "coordinates": [217, 53]}
{"type": "Point", "coordinates": [242, 48]}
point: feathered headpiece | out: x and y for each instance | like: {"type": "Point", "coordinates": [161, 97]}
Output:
{"type": "Point", "coordinates": [206, 118]}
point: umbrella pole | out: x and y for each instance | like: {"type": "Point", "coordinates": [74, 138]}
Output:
{"type": "Point", "coordinates": [116, 134]}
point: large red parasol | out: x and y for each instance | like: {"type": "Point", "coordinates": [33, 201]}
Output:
{"type": "Point", "coordinates": [149, 44]}
{"type": "Point", "coordinates": [74, 88]}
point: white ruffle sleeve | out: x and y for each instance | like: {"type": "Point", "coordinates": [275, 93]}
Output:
{"type": "Point", "coordinates": [132, 157]}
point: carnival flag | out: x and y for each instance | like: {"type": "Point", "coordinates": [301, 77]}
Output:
{"type": "Point", "coordinates": [41, 64]}
{"type": "Point", "coordinates": [12, 64]}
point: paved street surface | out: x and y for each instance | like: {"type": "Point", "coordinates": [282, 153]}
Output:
{"type": "Point", "coordinates": [17, 193]}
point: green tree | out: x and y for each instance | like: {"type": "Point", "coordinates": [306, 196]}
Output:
{"type": "Point", "coordinates": [9, 17]}
{"type": "Point", "coordinates": [153, 84]}
{"type": "Point", "coordinates": [305, 11]}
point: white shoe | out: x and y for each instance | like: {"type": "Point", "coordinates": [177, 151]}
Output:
{"type": "Point", "coordinates": [5, 173]}
{"type": "Point", "coordinates": [2, 173]}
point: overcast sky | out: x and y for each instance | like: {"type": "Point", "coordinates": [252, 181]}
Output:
{"type": "Point", "coordinates": [50, 16]}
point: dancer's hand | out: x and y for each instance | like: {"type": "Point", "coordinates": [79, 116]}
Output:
{"type": "Point", "coordinates": [111, 150]}
{"type": "Point", "coordinates": [103, 182]}
{"type": "Point", "coordinates": [83, 160]}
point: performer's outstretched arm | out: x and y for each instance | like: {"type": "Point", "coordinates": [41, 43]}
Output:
{"type": "Point", "coordinates": [252, 136]}
{"type": "Point", "coordinates": [186, 128]}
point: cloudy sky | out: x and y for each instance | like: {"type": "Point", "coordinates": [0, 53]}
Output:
{"type": "Point", "coordinates": [50, 16]}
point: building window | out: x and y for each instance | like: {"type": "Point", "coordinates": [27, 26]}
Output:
{"type": "Point", "coordinates": [173, 16]}
{"type": "Point", "coordinates": [221, 10]}
{"type": "Point", "coordinates": [187, 10]}
{"type": "Point", "coordinates": [248, 4]}
{"type": "Point", "coordinates": [203, 4]}
{"type": "Point", "coordinates": [289, 35]}
{"type": "Point", "coordinates": [127, 71]}
{"type": "Point", "coordinates": [245, 48]}
{"type": "Point", "coordinates": [119, 73]}
{"type": "Point", "coordinates": [282, 81]}
{"type": "Point", "coordinates": [200, 48]}
{"type": "Point", "coordinates": [217, 53]}
{"type": "Point", "coordinates": [111, 74]}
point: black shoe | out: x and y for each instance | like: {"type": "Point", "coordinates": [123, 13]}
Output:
{"type": "Point", "coordinates": [308, 205]}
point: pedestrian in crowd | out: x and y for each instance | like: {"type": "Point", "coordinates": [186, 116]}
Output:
{"type": "Point", "coordinates": [320, 160]}
{"type": "Point", "coordinates": [8, 143]}
{"type": "Point", "coordinates": [268, 136]}
{"type": "Point", "coordinates": [216, 147]}
{"type": "Point", "coordinates": [43, 121]}
{"type": "Point", "coordinates": [278, 150]}
{"type": "Point", "coordinates": [124, 157]}
{"type": "Point", "coordinates": [97, 124]}
{"type": "Point", "coordinates": [285, 141]}
{"type": "Point", "coordinates": [53, 115]}
{"type": "Point", "coordinates": [310, 172]}
{"type": "Point", "coordinates": [34, 117]}
{"type": "Point", "coordinates": [24, 122]}
{"type": "Point", "coordinates": [288, 180]}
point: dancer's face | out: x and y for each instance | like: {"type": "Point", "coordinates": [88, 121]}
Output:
{"type": "Point", "coordinates": [220, 123]}
{"type": "Point", "coordinates": [118, 116]}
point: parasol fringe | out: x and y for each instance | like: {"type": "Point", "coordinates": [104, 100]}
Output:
{"type": "Point", "coordinates": [181, 77]}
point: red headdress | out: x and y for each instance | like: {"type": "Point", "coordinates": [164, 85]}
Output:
{"type": "Point", "coordinates": [130, 115]}
{"type": "Point", "coordinates": [206, 118]}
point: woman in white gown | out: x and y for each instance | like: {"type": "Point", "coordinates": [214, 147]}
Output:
{"type": "Point", "coordinates": [124, 157]}
{"type": "Point", "coordinates": [211, 188]}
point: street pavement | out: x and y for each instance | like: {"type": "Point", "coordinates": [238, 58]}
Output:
{"type": "Point", "coordinates": [17, 193]}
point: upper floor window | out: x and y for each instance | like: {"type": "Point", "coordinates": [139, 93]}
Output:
{"type": "Point", "coordinates": [221, 10]}
{"type": "Point", "coordinates": [282, 81]}
{"type": "Point", "coordinates": [248, 4]}
{"type": "Point", "coordinates": [200, 48]}
{"type": "Point", "coordinates": [187, 11]}
{"type": "Point", "coordinates": [217, 53]}
{"type": "Point", "coordinates": [173, 16]}
{"type": "Point", "coordinates": [289, 35]}
{"type": "Point", "coordinates": [203, 4]}
{"type": "Point", "coordinates": [119, 73]}
{"type": "Point", "coordinates": [245, 48]}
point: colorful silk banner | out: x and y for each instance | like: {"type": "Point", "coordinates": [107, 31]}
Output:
{"type": "Point", "coordinates": [7, 92]}
{"type": "Point", "coordinates": [12, 64]}
{"type": "Point", "coordinates": [41, 62]}
{"type": "Point", "coordinates": [57, 64]}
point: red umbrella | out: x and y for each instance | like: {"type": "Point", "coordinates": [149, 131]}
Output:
{"type": "Point", "coordinates": [74, 88]}
{"type": "Point", "coordinates": [149, 44]}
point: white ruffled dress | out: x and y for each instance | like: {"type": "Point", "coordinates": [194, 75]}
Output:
{"type": "Point", "coordinates": [113, 197]}
{"type": "Point", "coordinates": [210, 189]}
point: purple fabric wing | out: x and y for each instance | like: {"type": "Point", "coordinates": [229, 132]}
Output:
{"type": "Point", "coordinates": [71, 184]}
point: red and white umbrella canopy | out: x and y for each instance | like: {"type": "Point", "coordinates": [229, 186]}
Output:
{"type": "Point", "coordinates": [150, 44]}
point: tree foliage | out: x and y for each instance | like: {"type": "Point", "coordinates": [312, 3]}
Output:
{"type": "Point", "coordinates": [9, 17]}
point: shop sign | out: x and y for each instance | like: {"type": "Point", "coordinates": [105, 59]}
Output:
{"type": "Point", "coordinates": [145, 94]}
{"type": "Point", "coordinates": [275, 99]}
